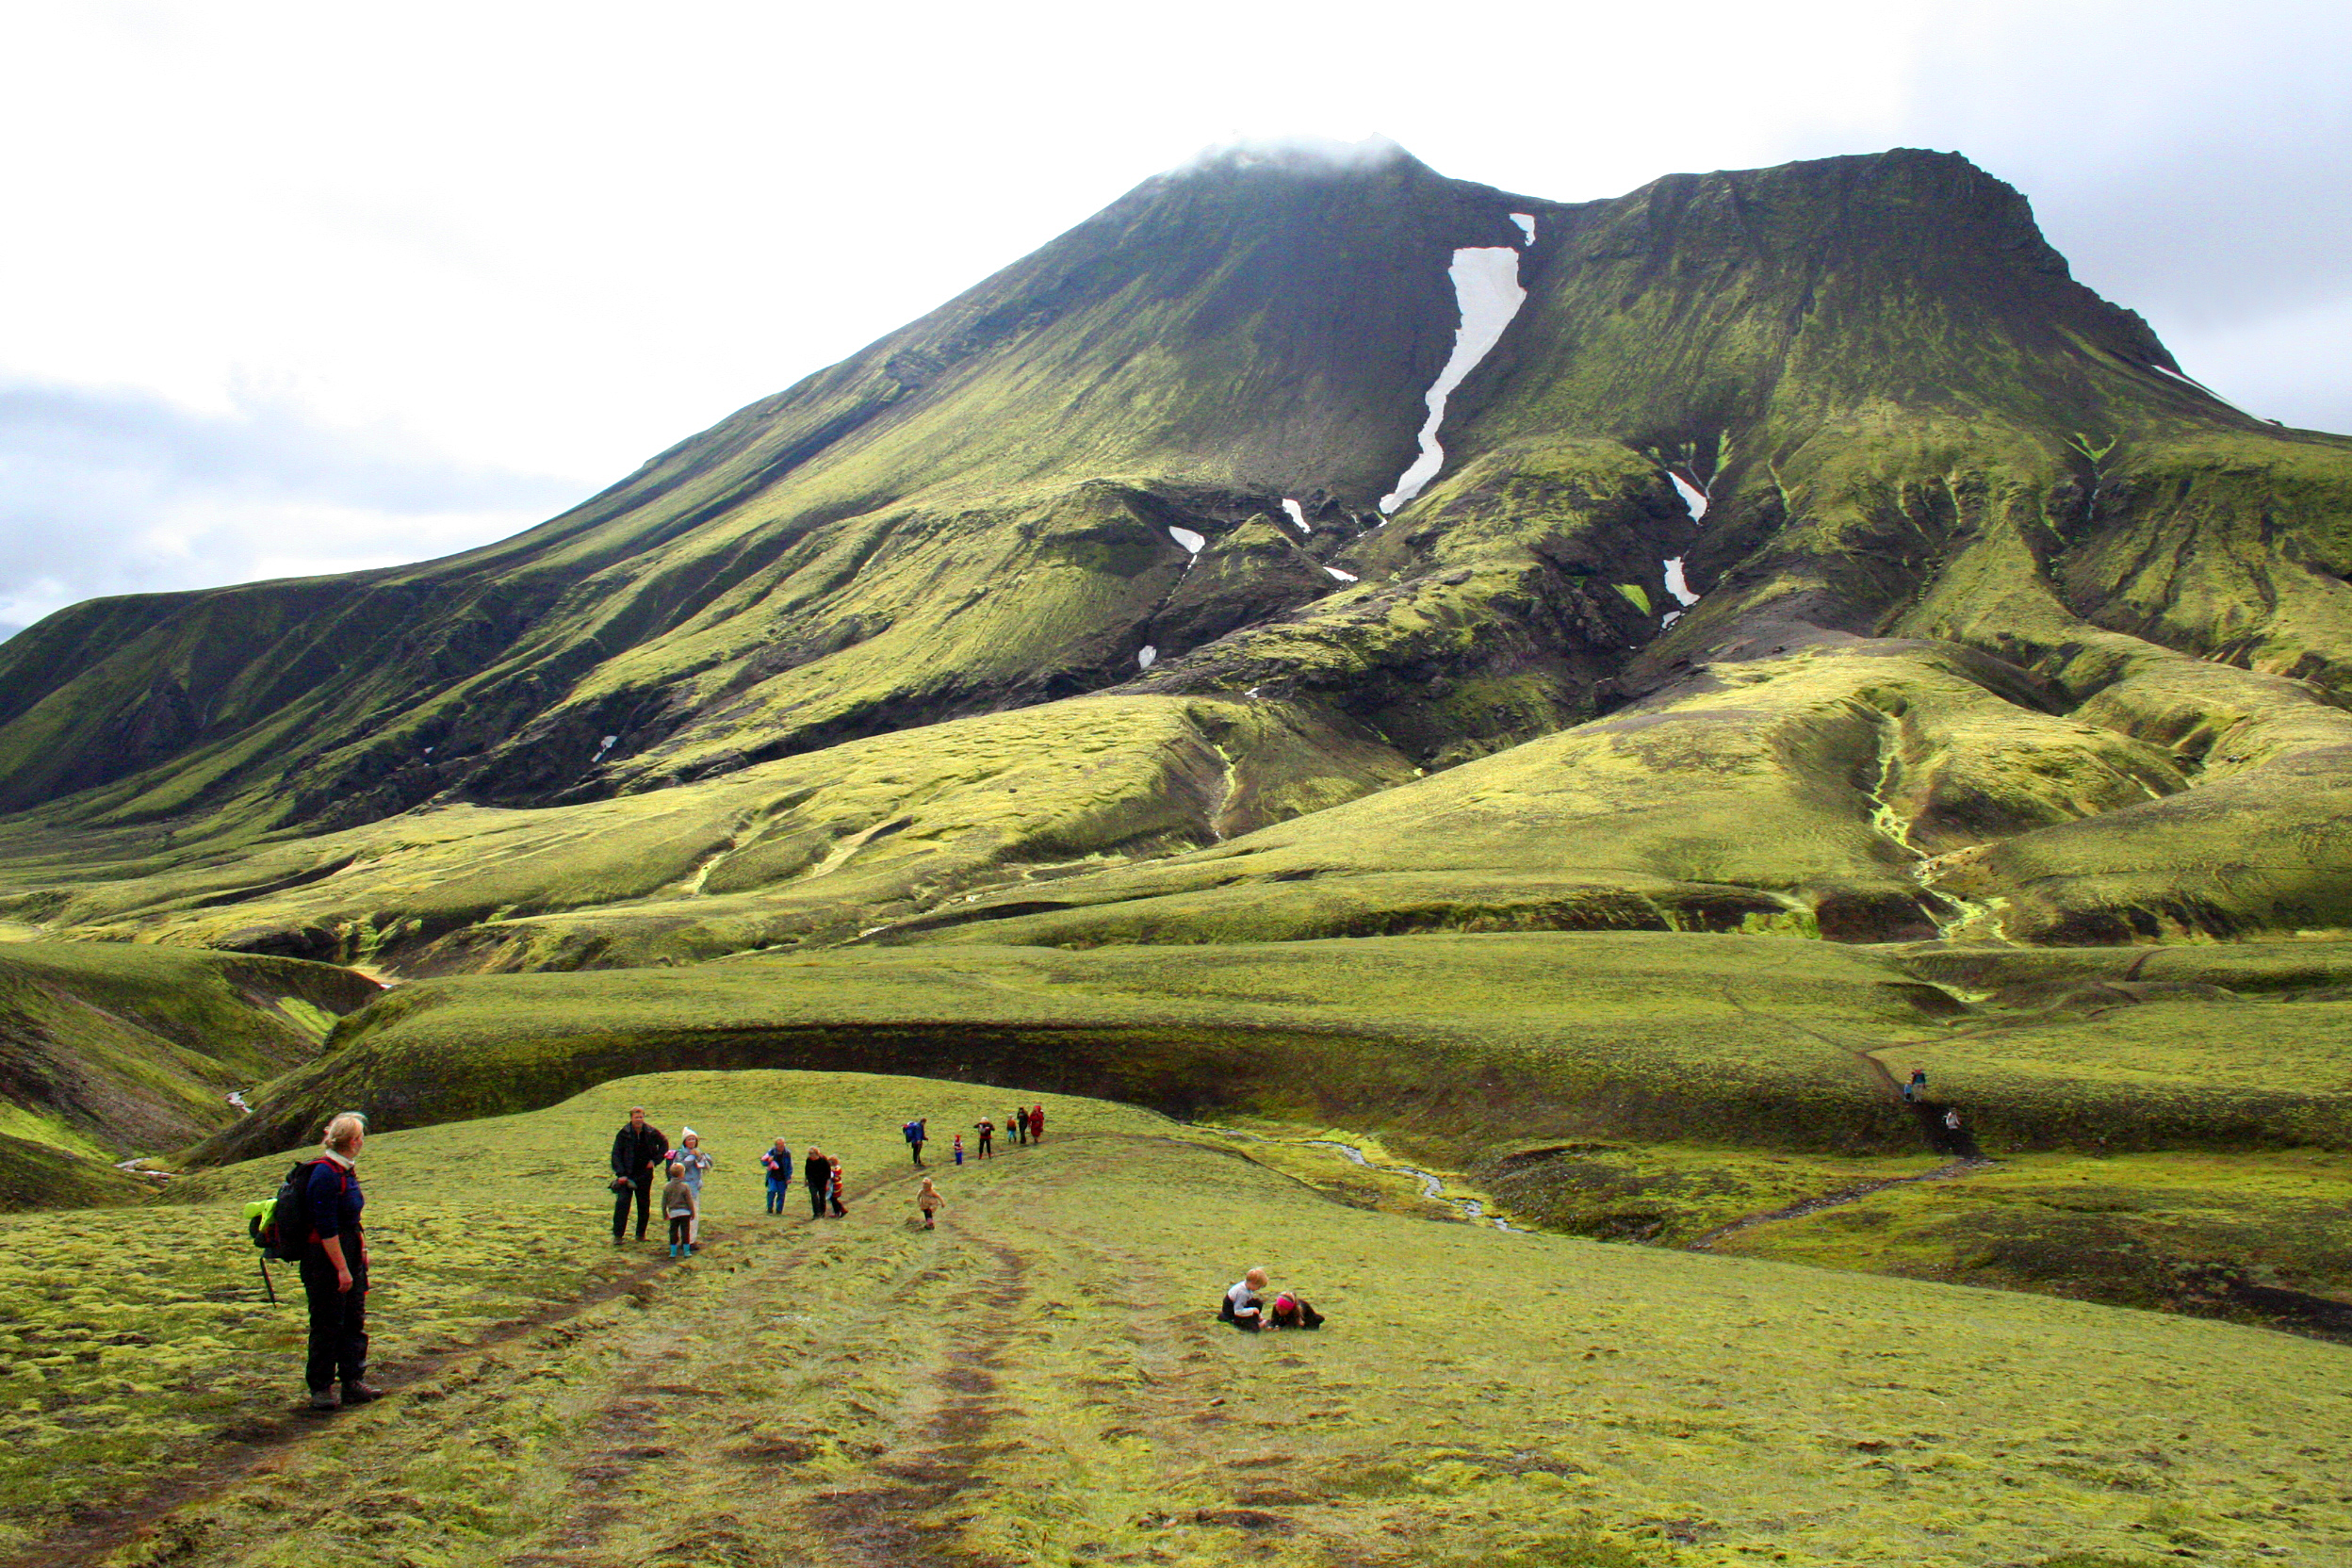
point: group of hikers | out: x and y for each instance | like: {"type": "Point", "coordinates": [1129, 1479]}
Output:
{"type": "Point", "coordinates": [642, 1153]}
{"type": "Point", "coordinates": [1022, 1127]}
{"type": "Point", "coordinates": [321, 1203]}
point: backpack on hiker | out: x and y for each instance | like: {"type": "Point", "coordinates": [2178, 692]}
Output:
{"type": "Point", "coordinates": [280, 1226]}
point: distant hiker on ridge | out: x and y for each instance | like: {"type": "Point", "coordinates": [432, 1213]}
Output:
{"type": "Point", "coordinates": [915, 1131]}
{"type": "Point", "coordinates": [819, 1175]}
{"type": "Point", "coordinates": [777, 1163]}
{"type": "Point", "coordinates": [334, 1268]}
{"type": "Point", "coordinates": [636, 1150]}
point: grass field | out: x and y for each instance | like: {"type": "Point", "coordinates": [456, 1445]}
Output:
{"type": "Point", "coordinates": [1041, 1380]}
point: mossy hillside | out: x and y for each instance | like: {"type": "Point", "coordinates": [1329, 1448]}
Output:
{"type": "Point", "coordinates": [1452, 1050]}
{"type": "Point", "coordinates": [2250, 846]}
{"type": "Point", "coordinates": [107, 1051]}
{"type": "Point", "coordinates": [37, 1173]}
{"type": "Point", "coordinates": [1491, 614]}
{"type": "Point", "coordinates": [1435, 1043]}
{"type": "Point", "coordinates": [803, 849]}
{"type": "Point", "coordinates": [1215, 327]}
{"type": "Point", "coordinates": [2179, 1230]}
{"type": "Point", "coordinates": [1802, 792]}
{"type": "Point", "coordinates": [1042, 1377]}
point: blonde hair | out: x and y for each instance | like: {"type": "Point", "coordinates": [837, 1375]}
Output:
{"type": "Point", "coordinates": [344, 1130]}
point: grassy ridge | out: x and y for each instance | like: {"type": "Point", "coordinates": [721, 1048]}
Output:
{"type": "Point", "coordinates": [1443, 1045]}
{"type": "Point", "coordinates": [1041, 1377]}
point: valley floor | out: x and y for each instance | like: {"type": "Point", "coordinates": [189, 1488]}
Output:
{"type": "Point", "coordinates": [1041, 1380]}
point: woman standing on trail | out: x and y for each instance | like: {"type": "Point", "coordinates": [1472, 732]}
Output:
{"type": "Point", "coordinates": [334, 1268]}
{"type": "Point", "coordinates": [777, 1163]}
{"type": "Point", "coordinates": [833, 1167]}
{"type": "Point", "coordinates": [1036, 1123]}
{"type": "Point", "coordinates": [930, 1203]}
{"type": "Point", "coordinates": [694, 1161]}
{"type": "Point", "coordinates": [1018, 1124]}
{"type": "Point", "coordinates": [987, 1130]}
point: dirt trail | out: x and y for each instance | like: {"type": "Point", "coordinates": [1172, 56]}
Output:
{"type": "Point", "coordinates": [1956, 1170]}
{"type": "Point", "coordinates": [234, 1452]}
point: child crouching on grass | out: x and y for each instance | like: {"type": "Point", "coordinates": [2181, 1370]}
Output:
{"type": "Point", "coordinates": [680, 1202]}
{"type": "Point", "coordinates": [930, 1203]}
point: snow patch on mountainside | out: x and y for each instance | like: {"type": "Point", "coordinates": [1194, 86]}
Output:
{"type": "Point", "coordinates": [1185, 537]}
{"type": "Point", "coordinates": [1344, 577]}
{"type": "Point", "coordinates": [1676, 585]}
{"type": "Point", "coordinates": [1486, 288]}
{"type": "Point", "coordinates": [1692, 497]}
{"type": "Point", "coordinates": [1527, 222]}
{"type": "Point", "coordinates": [1145, 655]}
{"type": "Point", "coordinates": [1297, 515]}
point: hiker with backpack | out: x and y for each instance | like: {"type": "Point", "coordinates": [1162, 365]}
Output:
{"type": "Point", "coordinates": [325, 1191]}
{"type": "Point", "coordinates": [637, 1149]}
{"type": "Point", "coordinates": [916, 1132]}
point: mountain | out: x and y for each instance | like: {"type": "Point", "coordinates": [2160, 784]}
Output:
{"type": "Point", "coordinates": [1126, 598]}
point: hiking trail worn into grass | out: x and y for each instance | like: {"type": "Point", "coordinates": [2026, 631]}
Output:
{"type": "Point", "coordinates": [1042, 1380]}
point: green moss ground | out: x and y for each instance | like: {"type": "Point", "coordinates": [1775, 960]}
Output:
{"type": "Point", "coordinates": [1041, 1380]}
{"type": "Point", "coordinates": [2179, 1231]}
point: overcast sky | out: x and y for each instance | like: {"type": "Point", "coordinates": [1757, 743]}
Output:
{"type": "Point", "coordinates": [300, 288]}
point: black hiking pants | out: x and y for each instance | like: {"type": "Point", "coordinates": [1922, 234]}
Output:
{"type": "Point", "coordinates": [642, 1191]}
{"type": "Point", "coordinates": [816, 1199]}
{"type": "Point", "coordinates": [338, 1320]}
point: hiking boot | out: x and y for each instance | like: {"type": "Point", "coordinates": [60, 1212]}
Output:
{"type": "Point", "coordinates": [325, 1399]}
{"type": "Point", "coordinates": [357, 1393]}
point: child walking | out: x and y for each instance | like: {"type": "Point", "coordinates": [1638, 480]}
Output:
{"type": "Point", "coordinates": [679, 1203]}
{"type": "Point", "coordinates": [960, 1149]}
{"type": "Point", "coordinates": [839, 1207]}
{"type": "Point", "coordinates": [930, 1203]}
{"type": "Point", "coordinates": [689, 1154]}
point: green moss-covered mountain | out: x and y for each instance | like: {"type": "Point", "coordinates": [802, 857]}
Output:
{"type": "Point", "coordinates": [1069, 614]}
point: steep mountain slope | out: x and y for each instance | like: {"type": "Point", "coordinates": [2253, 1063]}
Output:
{"type": "Point", "coordinates": [1996, 625]}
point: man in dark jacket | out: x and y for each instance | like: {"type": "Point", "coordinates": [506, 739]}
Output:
{"type": "Point", "coordinates": [818, 1172]}
{"type": "Point", "coordinates": [638, 1150]}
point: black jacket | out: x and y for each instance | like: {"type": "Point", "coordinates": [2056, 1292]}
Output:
{"type": "Point", "coordinates": [817, 1171]}
{"type": "Point", "coordinates": [636, 1148]}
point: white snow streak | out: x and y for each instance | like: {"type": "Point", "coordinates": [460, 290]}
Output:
{"type": "Point", "coordinates": [1692, 497]}
{"type": "Point", "coordinates": [1185, 537]}
{"type": "Point", "coordinates": [1344, 577]}
{"type": "Point", "coordinates": [2201, 387]}
{"type": "Point", "coordinates": [1676, 583]}
{"type": "Point", "coordinates": [1527, 222]}
{"type": "Point", "coordinates": [1486, 287]}
{"type": "Point", "coordinates": [1145, 655]}
{"type": "Point", "coordinates": [609, 742]}
{"type": "Point", "coordinates": [1297, 515]}
{"type": "Point", "coordinates": [1669, 619]}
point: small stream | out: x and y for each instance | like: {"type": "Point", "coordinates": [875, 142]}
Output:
{"type": "Point", "coordinates": [1432, 1185]}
